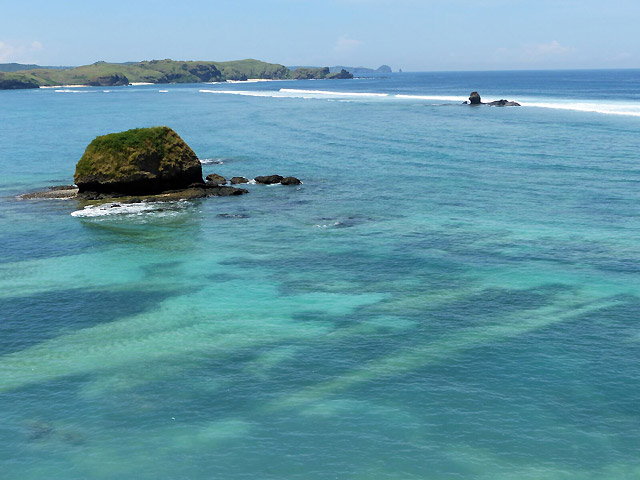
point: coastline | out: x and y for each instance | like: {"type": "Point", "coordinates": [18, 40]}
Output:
{"type": "Point", "coordinates": [65, 86]}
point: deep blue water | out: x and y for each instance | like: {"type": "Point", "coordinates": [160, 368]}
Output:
{"type": "Point", "coordinates": [453, 292]}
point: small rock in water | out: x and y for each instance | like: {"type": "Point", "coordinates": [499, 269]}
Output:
{"type": "Point", "coordinates": [269, 179]}
{"type": "Point", "coordinates": [215, 178]}
{"type": "Point", "coordinates": [503, 103]}
{"type": "Point", "coordinates": [290, 181]}
{"type": "Point", "coordinates": [38, 430]}
{"type": "Point", "coordinates": [237, 180]}
{"type": "Point", "coordinates": [474, 98]}
{"type": "Point", "coordinates": [217, 191]}
{"type": "Point", "coordinates": [73, 438]}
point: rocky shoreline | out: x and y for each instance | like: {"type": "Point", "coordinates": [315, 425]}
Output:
{"type": "Point", "coordinates": [475, 99]}
{"type": "Point", "coordinates": [145, 165]}
{"type": "Point", "coordinates": [195, 191]}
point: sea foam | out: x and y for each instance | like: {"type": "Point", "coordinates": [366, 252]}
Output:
{"type": "Point", "coordinates": [128, 209]}
{"type": "Point", "coordinates": [323, 93]}
{"type": "Point", "coordinates": [626, 109]}
{"type": "Point", "coordinates": [212, 161]}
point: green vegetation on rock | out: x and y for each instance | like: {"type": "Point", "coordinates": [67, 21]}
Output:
{"type": "Point", "coordinates": [307, 73]}
{"type": "Point", "coordinates": [138, 161]}
{"type": "Point", "coordinates": [14, 81]}
{"type": "Point", "coordinates": [18, 67]}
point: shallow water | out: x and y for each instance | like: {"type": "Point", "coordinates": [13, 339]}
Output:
{"type": "Point", "coordinates": [452, 293]}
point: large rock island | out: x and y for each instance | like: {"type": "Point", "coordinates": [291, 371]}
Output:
{"type": "Point", "coordinates": [145, 165]}
{"type": "Point", "coordinates": [138, 162]}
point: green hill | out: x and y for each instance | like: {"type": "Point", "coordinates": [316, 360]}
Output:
{"type": "Point", "coordinates": [17, 67]}
{"type": "Point", "coordinates": [14, 81]}
{"type": "Point", "coordinates": [158, 71]}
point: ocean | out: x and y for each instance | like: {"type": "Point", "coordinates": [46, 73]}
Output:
{"type": "Point", "coordinates": [452, 293]}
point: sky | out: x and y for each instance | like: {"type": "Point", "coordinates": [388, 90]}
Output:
{"type": "Point", "coordinates": [415, 35]}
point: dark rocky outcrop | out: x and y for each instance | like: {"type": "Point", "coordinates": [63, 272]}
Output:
{"type": "Point", "coordinates": [115, 80]}
{"type": "Point", "coordinates": [16, 82]}
{"type": "Point", "coordinates": [218, 191]}
{"type": "Point", "coordinates": [474, 99]}
{"type": "Point", "coordinates": [503, 103]}
{"type": "Point", "coordinates": [205, 72]}
{"type": "Point", "coordinates": [290, 181]}
{"type": "Point", "coordinates": [61, 192]}
{"type": "Point", "coordinates": [197, 190]}
{"type": "Point", "coordinates": [138, 162]}
{"type": "Point", "coordinates": [145, 165]}
{"type": "Point", "coordinates": [269, 179]}
{"type": "Point", "coordinates": [216, 179]}
{"type": "Point", "coordinates": [237, 180]}
{"type": "Point", "coordinates": [38, 430]}
{"type": "Point", "coordinates": [341, 75]}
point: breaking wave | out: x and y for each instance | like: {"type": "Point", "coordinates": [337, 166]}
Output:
{"type": "Point", "coordinates": [602, 107]}
{"type": "Point", "coordinates": [129, 209]}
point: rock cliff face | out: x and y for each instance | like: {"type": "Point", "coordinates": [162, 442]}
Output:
{"type": "Point", "coordinates": [503, 103]}
{"type": "Point", "coordinates": [341, 75]}
{"type": "Point", "coordinates": [474, 98]}
{"type": "Point", "coordinates": [307, 73]}
{"type": "Point", "coordinates": [138, 162]}
{"type": "Point", "coordinates": [16, 82]}
{"type": "Point", "coordinates": [116, 80]}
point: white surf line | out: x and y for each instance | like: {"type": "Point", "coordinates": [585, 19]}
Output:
{"type": "Point", "coordinates": [295, 93]}
{"type": "Point", "coordinates": [248, 93]}
{"type": "Point", "coordinates": [331, 93]}
{"type": "Point", "coordinates": [446, 347]}
{"type": "Point", "coordinates": [607, 109]}
{"type": "Point", "coordinates": [603, 108]}
{"type": "Point", "coordinates": [442, 98]}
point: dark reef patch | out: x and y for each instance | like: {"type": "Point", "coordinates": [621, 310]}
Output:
{"type": "Point", "coordinates": [32, 319]}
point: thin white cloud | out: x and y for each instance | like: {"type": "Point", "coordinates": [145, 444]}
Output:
{"type": "Point", "coordinates": [346, 44]}
{"type": "Point", "coordinates": [546, 50]}
{"type": "Point", "coordinates": [533, 54]}
{"type": "Point", "coordinates": [6, 52]}
{"type": "Point", "coordinates": [19, 53]}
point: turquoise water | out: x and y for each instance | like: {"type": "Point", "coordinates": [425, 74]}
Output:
{"type": "Point", "coordinates": [453, 292]}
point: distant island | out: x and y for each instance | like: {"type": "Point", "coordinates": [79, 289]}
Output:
{"type": "Point", "coordinates": [159, 72]}
{"type": "Point", "coordinates": [17, 67]}
{"type": "Point", "coordinates": [355, 70]}
{"type": "Point", "coordinates": [362, 70]}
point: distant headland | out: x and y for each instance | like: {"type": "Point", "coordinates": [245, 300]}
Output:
{"type": "Point", "coordinates": [354, 70]}
{"type": "Point", "coordinates": [158, 72]}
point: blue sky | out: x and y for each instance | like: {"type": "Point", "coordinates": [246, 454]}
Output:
{"type": "Point", "coordinates": [415, 35]}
